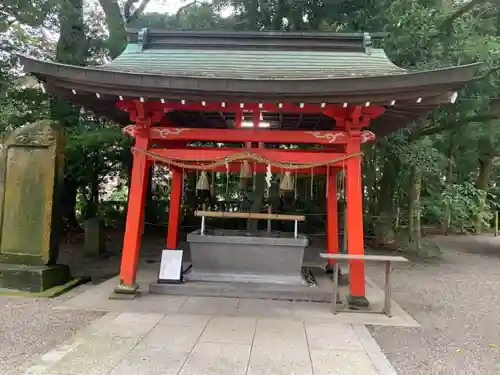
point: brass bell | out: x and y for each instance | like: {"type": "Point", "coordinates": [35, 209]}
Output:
{"type": "Point", "coordinates": [245, 172]}
{"type": "Point", "coordinates": [286, 183]}
{"type": "Point", "coordinates": [202, 183]}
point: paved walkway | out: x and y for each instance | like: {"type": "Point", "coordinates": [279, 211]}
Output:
{"type": "Point", "coordinates": [181, 335]}
{"type": "Point", "coordinates": [149, 343]}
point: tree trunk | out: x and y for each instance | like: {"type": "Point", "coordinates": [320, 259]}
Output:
{"type": "Point", "coordinates": [384, 230]}
{"type": "Point", "coordinates": [483, 178]}
{"type": "Point", "coordinates": [449, 180]}
{"type": "Point", "coordinates": [485, 169]}
{"type": "Point", "coordinates": [117, 40]}
{"type": "Point", "coordinates": [93, 203]}
{"type": "Point", "coordinates": [71, 49]}
{"type": "Point", "coordinates": [414, 230]}
{"type": "Point", "coordinates": [370, 180]}
{"type": "Point", "coordinates": [94, 198]}
{"type": "Point", "coordinates": [72, 44]}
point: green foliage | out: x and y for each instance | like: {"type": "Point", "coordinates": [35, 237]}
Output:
{"type": "Point", "coordinates": [466, 202]}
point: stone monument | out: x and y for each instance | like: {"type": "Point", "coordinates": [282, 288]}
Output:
{"type": "Point", "coordinates": [31, 175]}
{"type": "Point", "coordinates": [94, 238]}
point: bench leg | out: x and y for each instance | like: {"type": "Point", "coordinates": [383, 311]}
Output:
{"type": "Point", "coordinates": [387, 294]}
{"type": "Point", "coordinates": [335, 286]}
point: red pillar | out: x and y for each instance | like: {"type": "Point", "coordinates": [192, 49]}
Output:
{"type": "Point", "coordinates": [135, 213]}
{"type": "Point", "coordinates": [175, 209]}
{"type": "Point", "coordinates": [332, 215]}
{"type": "Point", "coordinates": [355, 241]}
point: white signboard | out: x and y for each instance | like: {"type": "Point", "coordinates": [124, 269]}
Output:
{"type": "Point", "coordinates": [170, 266]}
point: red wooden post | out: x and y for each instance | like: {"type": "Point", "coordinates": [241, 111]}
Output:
{"type": "Point", "coordinates": [355, 240]}
{"type": "Point", "coordinates": [175, 209]}
{"type": "Point", "coordinates": [135, 213]}
{"type": "Point", "coordinates": [332, 215]}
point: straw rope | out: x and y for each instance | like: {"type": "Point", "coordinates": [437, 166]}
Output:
{"type": "Point", "coordinates": [242, 156]}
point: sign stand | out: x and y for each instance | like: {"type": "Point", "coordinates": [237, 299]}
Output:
{"type": "Point", "coordinates": [171, 267]}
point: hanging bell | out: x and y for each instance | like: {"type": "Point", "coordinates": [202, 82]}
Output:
{"type": "Point", "coordinates": [203, 183]}
{"type": "Point", "coordinates": [245, 170]}
{"type": "Point", "coordinates": [286, 183]}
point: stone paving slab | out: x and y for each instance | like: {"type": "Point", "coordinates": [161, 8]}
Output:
{"type": "Point", "coordinates": [212, 358]}
{"type": "Point", "coordinates": [282, 360]}
{"type": "Point", "coordinates": [264, 307]}
{"type": "Point", "coordinates": [131, 324]}
{"type": "Point", "coordinates": [163, 351]}
{"type": "Point", "coordinates": [210, 305]}
{"type": "Point", "coordinates": [332, 337]}
{"type": "Point", "coordinates": [185, 320]}
{"type": "Point", "coordinates": [341, 362]}
{"type": "Point", "coordinates": [273, 333]}
{"type": "Point", "coordinates": [233, 330]}
{"type": "Point", "coordinates": [96, 356]}
{"type": "Point", "coordinates": [96, 298]}
{"type": "Point", "coordinates": [136, 343]}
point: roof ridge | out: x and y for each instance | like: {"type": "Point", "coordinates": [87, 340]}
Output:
{"type": "Point", "coordinates": [264, 40]}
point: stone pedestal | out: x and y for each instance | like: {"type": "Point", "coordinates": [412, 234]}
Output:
{"type": "Point", "coordinates": [32, 278]}
{"type": "Point", "coordinates": [31, 172]}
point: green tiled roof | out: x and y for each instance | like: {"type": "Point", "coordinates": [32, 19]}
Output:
{"type": "Point", "coordinates": [253, 64]}
{"type": "Point", "coordinates": [191, 66]}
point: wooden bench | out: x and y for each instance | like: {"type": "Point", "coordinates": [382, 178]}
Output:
{"type": "Point", "coordinates": [388, 260]}
{"type": "Point", "coordinates": [250, 216]}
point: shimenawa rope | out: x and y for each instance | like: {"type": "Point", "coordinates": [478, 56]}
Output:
{"type": "Point", "coordinates": [241, 156]}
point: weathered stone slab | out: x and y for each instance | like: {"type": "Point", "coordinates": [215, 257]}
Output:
{"type": "Point", "coordinates": [94, 239]}
{"type": "Point", "coordinates": [31, 172]}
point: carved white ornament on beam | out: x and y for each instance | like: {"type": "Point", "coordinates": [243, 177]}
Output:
{"type": "Point", "coordinates": [367, 136]}
{"type": "Point", "coordinates": [129, 130]}
{"type": "Point", "coordinates": [160, 132]}
{"type": "Point", "coordinates": [165, 132]}
{"type": "Point", "coordinates": [334, 137]}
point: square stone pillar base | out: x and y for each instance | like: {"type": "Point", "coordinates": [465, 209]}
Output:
{"type": "Point", "coordinates": [34, 279]}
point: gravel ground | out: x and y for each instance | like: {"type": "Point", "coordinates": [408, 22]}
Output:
{"type": "Point", "coordinates": [457, 302]}
{"type": "Point", "coordinates": [30, 327]}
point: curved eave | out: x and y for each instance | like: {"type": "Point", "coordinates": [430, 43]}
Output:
{"type": "Point", "coordinates": [352, 89]}
{"type": "Point", "coordinates": [395, 117]}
